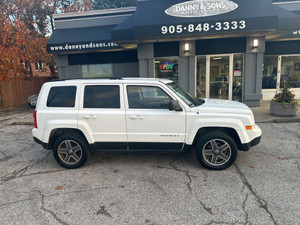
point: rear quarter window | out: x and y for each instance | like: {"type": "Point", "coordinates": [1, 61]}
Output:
{"type": "Point", "coordinates": [63, 96]}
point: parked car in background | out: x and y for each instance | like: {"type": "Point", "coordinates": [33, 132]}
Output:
{"type": "Point", "coordinates": [31, 101]}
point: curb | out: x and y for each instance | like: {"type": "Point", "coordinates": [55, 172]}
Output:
{"type": "Point", "coordinates": [281, 120]}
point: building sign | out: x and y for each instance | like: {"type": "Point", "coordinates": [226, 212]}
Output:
{"type": "Point", "coordinates": [201, 8]}
{"type": "Point", "coordinates": [204, 17]}
{"type": "Point", "coordinates": [237, 73]}
{"type": "Point", "coordinates": [82, 46]}
{"type": "Point", "coordinates": [204, 27]}
{"type": "Point", "coordinates": [166, 67]}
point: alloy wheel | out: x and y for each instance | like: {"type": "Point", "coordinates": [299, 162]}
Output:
{"type": "Point", "coordinates": [216, 152]}
{"type": "Point", "coordinates": [70, 152]}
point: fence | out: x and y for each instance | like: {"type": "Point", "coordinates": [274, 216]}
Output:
{"type": "Point", "coordinates": [15, 93]}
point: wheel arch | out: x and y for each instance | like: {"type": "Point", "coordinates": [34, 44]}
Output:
{"type": "Point", "coordinates": [60, 131]}
{"type": "Point", "coordinates": [228, 130]}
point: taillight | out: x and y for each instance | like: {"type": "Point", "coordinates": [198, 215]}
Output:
{"type": "Point", "coordinates": [35, 120]}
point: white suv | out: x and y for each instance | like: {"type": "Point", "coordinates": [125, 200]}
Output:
{"type": "Point", "coordinates": [82, 116]}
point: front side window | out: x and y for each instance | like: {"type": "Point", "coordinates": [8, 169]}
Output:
{"type": "Point", "coordinates": [102, 96]}
{"type": "Point", "coordinates": [146, 97]}
{"type": "Point", "coordinates": [63, 96]}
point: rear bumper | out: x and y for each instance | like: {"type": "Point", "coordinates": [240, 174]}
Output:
{"type": "Point", "coordinates": [45, 145]}
{"type": "Point", "coordinates": [247, 146]}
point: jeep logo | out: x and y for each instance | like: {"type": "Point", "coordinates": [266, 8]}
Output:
{"type": "Point", "coordinates": [201, 8]}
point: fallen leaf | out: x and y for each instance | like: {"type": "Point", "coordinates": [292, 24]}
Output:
{"type": "Point", "coordinates": [4, 172]}
{"type": "Point", "coordinates": [281, 158]}
{"type": "Point", "coordinates": [116, 171]}
{"type": "Point", "coordinates": [53, 171]}
{"type": "Point", "coordinates": [59, 187]}
{"type": "Point", "coordinates": [253, 167]}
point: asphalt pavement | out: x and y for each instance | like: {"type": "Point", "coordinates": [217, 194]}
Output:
{"type": "Point", "coordinates": [262, 187]}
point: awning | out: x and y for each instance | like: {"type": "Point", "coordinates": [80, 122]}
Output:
{"type": "Point", "coordinates": [287, 20]}
{"type": "Point", "coordinates": [81, 39]}
{"type": "Point", "coordinates": [290, 36]}
{"type": "Point", "coordinates": [124, 31]}
{"type": "Point", "coordinates": [173, 18]}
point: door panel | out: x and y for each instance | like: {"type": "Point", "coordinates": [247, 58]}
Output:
{"type": "Point", "coordinates": [149, 120]}
{"type": "Point", "coordinates": [103, 115]}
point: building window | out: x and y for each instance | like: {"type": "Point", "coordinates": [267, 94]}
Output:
{"type": "Point", "coordinates": [97, 70]}
{"type": "Point", "coordinates": [201, 77]}
{"type": "Point", "coordinates": [290, 71]}
{"type": "Point", "coordinates": [102, 96]}
{"type": "Point", "coordinates": [167, 68]}
{"type": "Point", "coordinates": [270, 72]}
{"type": "Point", "coordinates": [237, 85]}
{"type": "Point", "coordinates": [39, 66]}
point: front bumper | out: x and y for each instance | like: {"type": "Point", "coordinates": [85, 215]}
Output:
{"type": "Point", "coordinates": [247, 146]}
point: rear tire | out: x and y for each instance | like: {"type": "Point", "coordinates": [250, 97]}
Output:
{"type": "Point", "coordinates": [70, 150]}
{"type": "Point", "coordinates": [216, 150]}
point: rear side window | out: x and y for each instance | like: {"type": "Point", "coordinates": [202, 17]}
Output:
{"type": "Point", "coordinates": [63, 96]}
{"type": "Point", "coordinates": [102, 96]}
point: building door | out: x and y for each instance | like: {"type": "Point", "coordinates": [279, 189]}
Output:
{"type": "Point", "coordinates": [219, 70]}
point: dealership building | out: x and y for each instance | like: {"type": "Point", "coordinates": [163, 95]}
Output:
{"type": "Point", "coordinates": [224, 49]}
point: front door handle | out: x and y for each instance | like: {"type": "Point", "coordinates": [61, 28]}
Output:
{"type": "Point", "coordinates": [137, 117]}
{"type": "Point", "coordinates": [89, 117]}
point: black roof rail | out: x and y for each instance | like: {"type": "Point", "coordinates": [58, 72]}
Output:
{"type": "Point", "coordinates": [89, 78]}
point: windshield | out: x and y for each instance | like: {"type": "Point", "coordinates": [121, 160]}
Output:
{"type": "Point", "coordinates": [186, 97]}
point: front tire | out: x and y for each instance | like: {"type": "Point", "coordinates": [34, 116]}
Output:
{"type": "Point", "coordinates": [216, 150]}
{"type": "Point", "coordinates": [70, 150]}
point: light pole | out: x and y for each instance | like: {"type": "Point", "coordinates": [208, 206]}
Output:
{"type": "Point", "coordinates": [66, 3]}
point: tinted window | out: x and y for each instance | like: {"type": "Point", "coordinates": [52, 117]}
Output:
{"type": "Point", "coordinates": [62, 96]}
{"type": "Point", "coordinates": [102, 96]}
{"type": "Point", "coordinates": [142, 97]}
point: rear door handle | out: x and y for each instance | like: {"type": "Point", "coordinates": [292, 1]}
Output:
{"type": "Point", "coordinates": [89, 117]}
{"type": "Point", "coordinates": [137, 117]}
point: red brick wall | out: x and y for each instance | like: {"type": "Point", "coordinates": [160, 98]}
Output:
{"type": "Point", "coordinates": [15, 93]}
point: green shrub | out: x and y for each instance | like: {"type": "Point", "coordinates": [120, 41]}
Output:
{"type": "Point", "coordinates": [285, 95]}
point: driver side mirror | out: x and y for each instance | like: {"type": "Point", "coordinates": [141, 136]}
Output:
{"type": "Point", "coordinates": [175, 106]}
